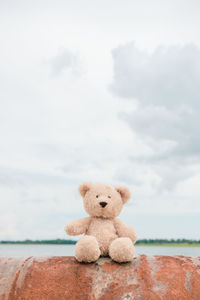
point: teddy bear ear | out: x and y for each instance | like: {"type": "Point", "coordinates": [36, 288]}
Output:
{"type": "Point", "coordinates": [124, 192]}
{"type": "Point", "coordinates": [84, 187]}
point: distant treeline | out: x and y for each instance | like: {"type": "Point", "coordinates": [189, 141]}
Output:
{"type": "Point", "coordinates": [57, 241]}
{"type": "Point", "coordinates": [139, 242]}
{"type": "Point", "coordinates": [167, 241]}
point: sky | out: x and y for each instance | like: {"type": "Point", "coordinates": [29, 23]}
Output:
{"type": "Point", "coordinates": [99, 91]}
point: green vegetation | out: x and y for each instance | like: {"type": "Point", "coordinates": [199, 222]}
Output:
{"type": "Point", "coordinates": [57, 241]}
{"type": "Point", "coordinates": [166, 242]}
{"type": "Point", "coordinates": [143, 242]}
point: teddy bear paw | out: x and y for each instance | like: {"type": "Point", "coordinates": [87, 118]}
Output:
{"type": "Point", "coordinates": [87, 249]}
{"type": "Point", "coordinates": [122, 250]}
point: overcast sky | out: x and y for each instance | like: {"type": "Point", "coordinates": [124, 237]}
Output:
{"type": "Point", "coordinates": [99, 91]}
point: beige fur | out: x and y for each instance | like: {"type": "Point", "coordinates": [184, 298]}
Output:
{"type": "Point", "coordinates": [104, 234]}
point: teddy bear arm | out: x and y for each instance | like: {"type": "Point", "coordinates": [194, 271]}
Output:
{"type": "Point", "coordinates": [124, 230]}
{"type": "Point", "coordinates": [78, 226]}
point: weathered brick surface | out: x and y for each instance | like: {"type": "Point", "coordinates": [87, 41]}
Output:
{"type": "Point", "coordinates": [146, 278]}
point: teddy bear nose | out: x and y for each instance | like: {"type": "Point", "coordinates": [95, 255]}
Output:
{"type": "Point", "coordinates": [103, 204]}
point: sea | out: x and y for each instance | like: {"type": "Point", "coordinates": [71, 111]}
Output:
{"type": "Point", "coordinates": [26, 250]}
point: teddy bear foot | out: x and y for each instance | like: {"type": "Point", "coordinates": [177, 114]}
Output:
{"type": "Point", "coordinates": [87, 249]}
{"type": "Point", "coordinates": [122, 250]}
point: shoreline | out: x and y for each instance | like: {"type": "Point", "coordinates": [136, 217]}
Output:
{"type": "Point", "coordinates": [136, 245]}
{"type": "Point", "coordinates": [169, 244]}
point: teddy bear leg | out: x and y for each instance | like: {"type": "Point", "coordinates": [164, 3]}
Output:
{"type": "Point", "coordinates": [122, 250]}
{"type": "Point", "coordinates": [87, 249]}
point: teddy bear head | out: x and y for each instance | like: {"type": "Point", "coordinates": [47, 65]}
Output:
{"type": "Point", "coordinates": [101, 200]}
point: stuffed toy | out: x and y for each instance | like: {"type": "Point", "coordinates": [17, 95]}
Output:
{"type": "Point", "coordinates": [104, 235]}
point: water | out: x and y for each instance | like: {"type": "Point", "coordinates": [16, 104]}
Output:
{"type": "Point", "coordinates": [17, 250]}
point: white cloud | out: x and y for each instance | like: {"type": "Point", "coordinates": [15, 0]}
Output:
{"type": "Point", "coordinates": [66, 60]}
{"type": "Point", "coordinates": [165, 86]}
{"type": "Point", "coordinates": [170, 76]}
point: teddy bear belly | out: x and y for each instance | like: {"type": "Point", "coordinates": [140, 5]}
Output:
{"type": "Point", "coordinates": [104, 240]}
{"type": "Point", "coordinates": [104, 233]}
{"type": "Point", "coordinates": [105, 243]}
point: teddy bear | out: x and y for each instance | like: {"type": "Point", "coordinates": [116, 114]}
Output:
{"type": "Point", "coordinates": [104, 234]}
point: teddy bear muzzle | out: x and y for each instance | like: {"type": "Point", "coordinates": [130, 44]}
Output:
{"type": "Point", "coordinates": [103, 204]}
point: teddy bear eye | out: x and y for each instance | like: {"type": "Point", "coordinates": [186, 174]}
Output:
{"type": "Point", "coordinates": [97, 196]}
{"type": "Point", "coordinates": [109, 196]}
